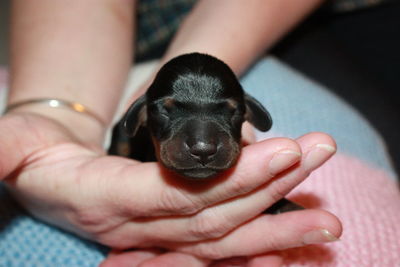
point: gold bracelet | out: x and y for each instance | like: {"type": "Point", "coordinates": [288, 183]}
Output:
{"type": "Point", "coordinates": [58, 103]}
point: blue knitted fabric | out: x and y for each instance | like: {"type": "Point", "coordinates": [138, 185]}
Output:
{"type": "Point", "coordinates": [298, 106]}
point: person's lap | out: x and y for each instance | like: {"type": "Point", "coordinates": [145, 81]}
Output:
{"type": "Point", "coordinates": [357, 184]}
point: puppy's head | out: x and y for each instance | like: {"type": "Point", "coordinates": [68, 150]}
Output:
{"type": "Point", "coordinates": [194, 110]}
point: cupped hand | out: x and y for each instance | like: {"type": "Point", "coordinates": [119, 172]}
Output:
{"type": "Point", "coordinates": [251, 244]}
{"type": "Point", "coordinates": [127, 204]}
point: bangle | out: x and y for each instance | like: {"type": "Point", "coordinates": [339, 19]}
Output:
{"type": "Point", "coordinates": [58, 103]}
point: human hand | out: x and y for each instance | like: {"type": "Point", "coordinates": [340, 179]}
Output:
{"type": "Point", "coordinates": [107, 199]}
{"type": "Point", "coordinates": [245, 241]}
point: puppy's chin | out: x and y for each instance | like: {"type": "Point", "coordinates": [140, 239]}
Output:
{"type": "Point", "coordinates": [179, 161]}
{"type": "Point", "coordinates": [198, 174]}
{"type": "Point", "coordinates": [196, 171]}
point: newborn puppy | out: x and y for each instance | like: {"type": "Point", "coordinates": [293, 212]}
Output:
{"type": "Point", "coordinates": [193, 112]}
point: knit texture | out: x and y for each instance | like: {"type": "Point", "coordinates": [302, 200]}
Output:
{"type": "Point", "coordinates": [366, 201]}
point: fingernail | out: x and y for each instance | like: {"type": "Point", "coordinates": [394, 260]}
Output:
{"type": "Point", "coordinates": [282, 160]}
{"type": "Point", "coordinates": [318, 155]}
{"type": "Point", "coordinates": [319, 236]}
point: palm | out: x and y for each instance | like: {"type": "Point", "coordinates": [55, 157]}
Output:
{"type": "Point", "coordinates": [55, 169]}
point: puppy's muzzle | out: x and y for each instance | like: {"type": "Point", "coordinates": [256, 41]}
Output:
{"type": "Point", "coordinates": [201, 149]}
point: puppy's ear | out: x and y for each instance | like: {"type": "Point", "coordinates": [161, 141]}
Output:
{"type": "Point", "coordinates": [135, 117]}
{"type": "Point", "coordinates": [256, 114]}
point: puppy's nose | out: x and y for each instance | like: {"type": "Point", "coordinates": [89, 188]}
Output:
{"type": "Point", "coordinates": [203, 151]}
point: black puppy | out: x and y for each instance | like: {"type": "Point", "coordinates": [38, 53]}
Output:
{"type": "Point", "coordinates": [193, 112]}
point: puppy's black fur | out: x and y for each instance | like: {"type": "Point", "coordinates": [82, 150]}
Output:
{"type": "Point", "coordinates": [193, 112]}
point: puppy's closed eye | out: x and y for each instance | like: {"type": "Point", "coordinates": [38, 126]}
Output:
{"type": "Point", "coordinates": [159, 120]}
{"type": "Point", "coordinates": [236, 112]}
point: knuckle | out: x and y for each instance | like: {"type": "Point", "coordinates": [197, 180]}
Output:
{"type": "Point", "coordinates": [86, 217]}
{"type": "Point", "coordinates": [208, 225]}
{"type": "Point", "coordinates": [209, 252]}
{"type": "Point", "coordinates": [280, 187]}
{"type": "Point", "coordinates": [176, 202]}
{"type": "Point", "coordinates": [239, 185]}
{"type": "Point", "coordinates": [279, 190]}
{"type": "Point", "coordinates": [272, 243]}
{"type": "Point", "coordinates": [89, 219]}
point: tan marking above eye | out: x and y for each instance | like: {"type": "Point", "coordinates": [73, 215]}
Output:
{"type": "Point", "coordinates": [169, 102]}
{"type": "Point", "coordinates": [231, 103]}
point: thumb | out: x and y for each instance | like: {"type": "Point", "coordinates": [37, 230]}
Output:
{"type": "Point", "coordinates": [22, 135]}
{"type": "Point", "coordinates": [248, 135]}
{"type": "Point", "coordinates": [11, 148]}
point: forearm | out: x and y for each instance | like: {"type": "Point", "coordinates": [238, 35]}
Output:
{"type": "Point", "coordinates": [78, 51]}
{"type": "Point", "coordinates": [238, 31]}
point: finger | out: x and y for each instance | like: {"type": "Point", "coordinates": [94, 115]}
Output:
{"type": "Point", "coordinates": [173, 259]}
{"type": "Point", "coordinates": [322, 143]}
{"type": "Point", "coordinates": [143, 189]}
{"type": "Point", "coordinates": [271, 260]}
{"type": "Point", "coordinates": [215, 221]}
{"type": "Point", "coordinates": [248, 135]}
{"type": "Point", "coordinates": [269, 233]}
{"type": "Point", "coordinates": [129, 258]}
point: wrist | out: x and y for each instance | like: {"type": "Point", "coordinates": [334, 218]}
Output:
{"type": "Point", "coordinates": [84, 128]}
